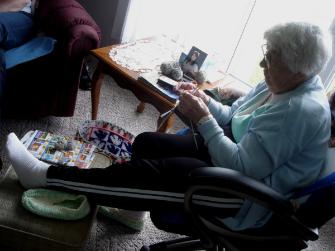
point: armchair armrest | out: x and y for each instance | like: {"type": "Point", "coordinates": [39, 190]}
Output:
{"type": "Point", "coordinates": [236, 183]}
{"type": "Point", "coordinates": [69, 23]}
{"type": "Point", "coordinates": [222, 180]}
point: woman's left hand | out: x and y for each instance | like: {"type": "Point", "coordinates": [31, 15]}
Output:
{"type": "Point", "coordinates": [192, 106]}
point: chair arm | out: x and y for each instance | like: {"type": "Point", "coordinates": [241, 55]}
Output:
{"type": "Point", "coordinates": [236, 183]}
{"type": "Point", "coordinates": [69, 23]}
{"type": "Point", "coordinates": [223, 180]}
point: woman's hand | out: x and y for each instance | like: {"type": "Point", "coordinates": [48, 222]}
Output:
{"type": "Point", "coordinates": [185, 86]}
{"type": "Point", "coordinates": [192, 107]}
{"type": "Point", "coordinates": [192, 88]}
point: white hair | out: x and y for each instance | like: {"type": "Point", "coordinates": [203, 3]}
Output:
{"type": "Point", "coordinates": [303, 47]}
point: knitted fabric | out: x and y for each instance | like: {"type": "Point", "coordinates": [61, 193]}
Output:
{"type": "Point", "coordinates": [55, 204]}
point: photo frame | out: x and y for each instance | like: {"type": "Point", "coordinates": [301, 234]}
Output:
{"type": "Point", "coordinates": [192, 62]}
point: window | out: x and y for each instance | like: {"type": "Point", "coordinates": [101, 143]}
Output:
{"type": "Point", "coordinates": [231, 32]}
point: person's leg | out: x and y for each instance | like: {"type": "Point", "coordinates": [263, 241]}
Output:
{"type": "Point", "coordinates": [25, 163]}
{"type": "Point", "coordinates": [153, 145]}
{"type": "Point", "coordinates": [16, 28]}
{"type": "Point", "coordinates": [141, 184]}
{"type": "Point", "coordinates": [144, 143]}
{"type": "Point", "coordinates": [138, 184]}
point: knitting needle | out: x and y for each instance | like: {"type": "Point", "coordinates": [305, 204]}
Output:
{"type": "Point", "coordinates": [163, 122]}
{"type": "Point", "coordinates": [175, 106]}
{"type": "Point", "coordinates": [191, 123]}
{"type": "Point", "coordinates": [171, 110]}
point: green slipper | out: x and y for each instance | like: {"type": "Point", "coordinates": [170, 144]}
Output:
{"type": "Point", "coordinates": [55, 204]}
{"type": "Point", "coordinates": [123, 216]}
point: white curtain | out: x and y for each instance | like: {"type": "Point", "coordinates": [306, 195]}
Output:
{"type": "Point", "coordinates": [216, 26]}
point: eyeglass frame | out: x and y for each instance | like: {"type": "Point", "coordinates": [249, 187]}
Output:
{"type": "Point", "coordinates": [265, 55]}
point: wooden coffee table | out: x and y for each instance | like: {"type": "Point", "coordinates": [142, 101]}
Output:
{"type": "Point", "coordinates": [126, 79]}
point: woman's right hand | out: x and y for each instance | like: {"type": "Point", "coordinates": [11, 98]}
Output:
{"type": "Point", "coordinates": [185, 86]}
{"type": "Point", "coordinates": [191, 87]}
{"type": "Point", "coordinates": [192, 107]}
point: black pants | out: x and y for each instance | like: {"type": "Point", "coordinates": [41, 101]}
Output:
{"type": "Point", "coordinates": [155, 179]}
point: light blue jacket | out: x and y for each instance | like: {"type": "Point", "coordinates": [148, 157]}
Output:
{"type": "Point", "coordinates": [284, 146]}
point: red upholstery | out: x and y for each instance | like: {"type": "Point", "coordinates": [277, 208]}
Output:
{"type": "Point", "coordinates": [49, 85]}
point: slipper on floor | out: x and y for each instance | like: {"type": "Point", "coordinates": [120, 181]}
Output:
{"type": "Point", "coordinates": [55, 204]}
{"type": "Point", "coordinates": [125, 219]}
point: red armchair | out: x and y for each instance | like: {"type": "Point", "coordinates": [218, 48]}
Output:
{"type": "Point", "coordinates": [49, 85]}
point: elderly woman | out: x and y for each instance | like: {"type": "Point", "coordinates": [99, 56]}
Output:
{"type": "Point", "coordinates": [280, 132]}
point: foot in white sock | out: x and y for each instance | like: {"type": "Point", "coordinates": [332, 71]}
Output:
{"type": "Point", "coordinates": [31, 171]}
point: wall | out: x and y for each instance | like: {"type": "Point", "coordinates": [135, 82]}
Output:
{"type": "Point", "coordinates": [110, 16]}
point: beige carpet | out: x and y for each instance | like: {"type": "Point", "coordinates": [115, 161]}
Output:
{"type": "Point", "coordinates": [118, 106]}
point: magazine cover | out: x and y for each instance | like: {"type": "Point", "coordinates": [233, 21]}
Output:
{"type": "Point", "coordinates": [62, 150]}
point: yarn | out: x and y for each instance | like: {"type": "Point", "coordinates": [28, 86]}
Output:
{"type": "Point", "coordinates": [175, 65]}
{"type": "Point", "coordinates": [172, 69]}
{"type": "Point", "coordinates": [166, 68]}
{"type": "Point", "coordinates": [176, 74]}
{"type": "Point", "coordinates": [200, 77]}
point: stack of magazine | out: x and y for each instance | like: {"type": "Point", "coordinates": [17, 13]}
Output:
{"type": "Point", "coordinates": [160, 84]}
{"type": "Point", "coordinates": [59, 150]}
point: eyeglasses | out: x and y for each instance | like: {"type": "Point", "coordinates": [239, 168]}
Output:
{"type": "Point", "coordinates": [265, 55]}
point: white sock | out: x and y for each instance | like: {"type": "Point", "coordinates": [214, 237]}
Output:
{"type": "Point", "coordinates": [31, 171]}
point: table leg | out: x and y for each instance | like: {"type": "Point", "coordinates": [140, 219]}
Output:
{"type": "Point", "coordinates": [95, 91]}
{"type": "Point", "coordinates": [140, 107]}
{"type": "Point", "coordinates": [165, 124]}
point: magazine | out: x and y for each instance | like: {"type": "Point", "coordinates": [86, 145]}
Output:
{"type": "Point", "coordinates": [59, 150]}
{"type": "Point", "coordinates": [154, 81]}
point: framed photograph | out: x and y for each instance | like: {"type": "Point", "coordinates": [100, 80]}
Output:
{"type": "Point", "coordinates": [192, 62]}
